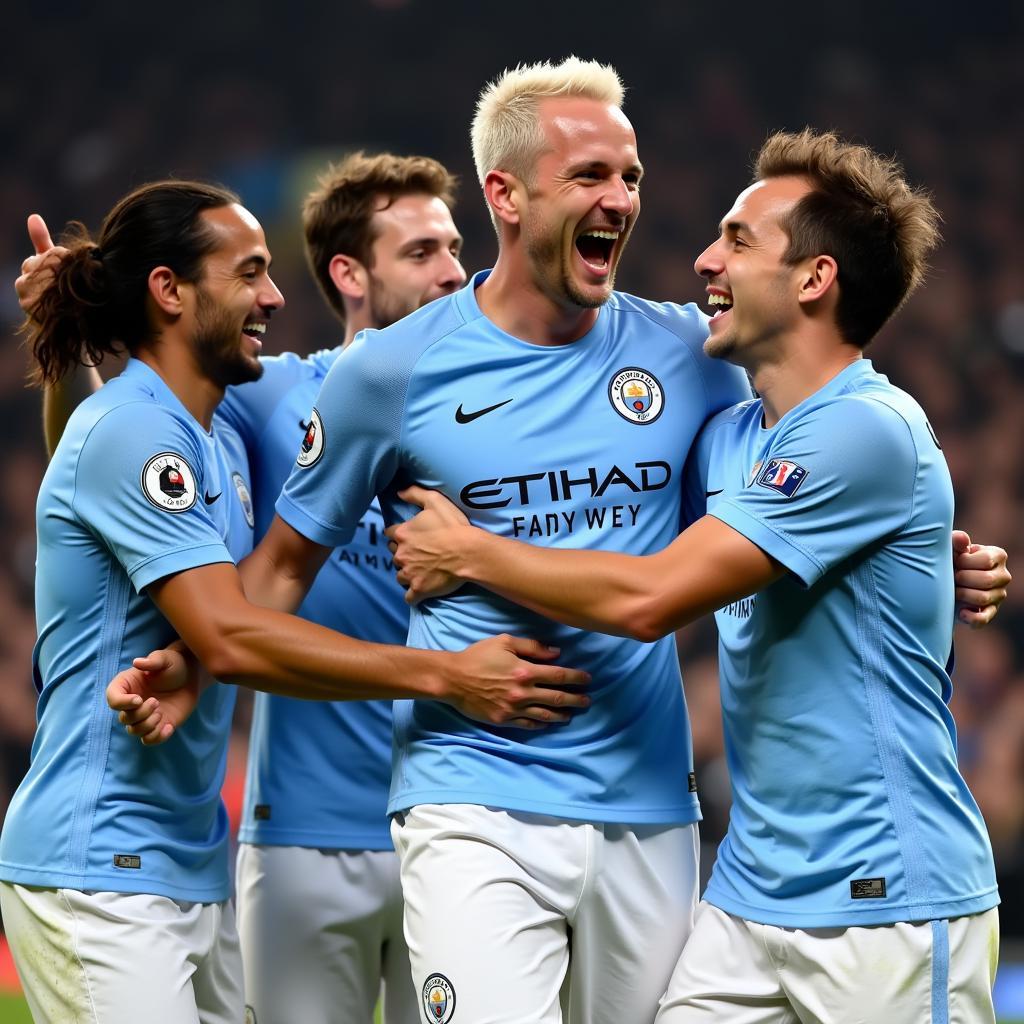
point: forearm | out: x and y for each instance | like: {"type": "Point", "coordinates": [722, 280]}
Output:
{"type": "Point", "coordinates": [278, 653]}
{"type": "Point", "coordinates": [644, 597]}
{"type": "Point", "coordinates": [602, 591]}
{"type": "Point", "coordinates": [61, 399]}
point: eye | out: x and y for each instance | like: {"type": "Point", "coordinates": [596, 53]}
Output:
{"type": "Point", "coordinates": [419, 255]}
{"type": "Point", "coordinates": [632, 181]}
{"type": "Point", "coordinates": [250, 275]}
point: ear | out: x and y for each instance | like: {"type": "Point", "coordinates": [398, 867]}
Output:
{"type": "Point", "coordinates": [503, 192]}
{"type": "Point", "coordinates": [348, 275]}
{"type": "Point", "coordinates": [820, 274]}
{"type": "Point", "coordinates": [166, 288]}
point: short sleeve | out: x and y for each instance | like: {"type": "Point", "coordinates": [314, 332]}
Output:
{"type": "Point", "coordinates": [837, 479]}
{"type": "Point", "coordinates": [351, 449]}
{"type": "Point", "coordinates": [139, 488]}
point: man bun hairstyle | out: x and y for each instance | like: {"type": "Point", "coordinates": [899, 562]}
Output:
{"type": "Point", "coordinates": [96, 304]}
{"type": "Point", "coordinates": [861, 212]}
{"type": "Point", "coordinates": [337, 216]}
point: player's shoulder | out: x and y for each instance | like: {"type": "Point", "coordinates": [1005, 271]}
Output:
{"type": "Point", "coordinates": [407, 339]}
{"type": "Point", "coordinates": [686, 321]}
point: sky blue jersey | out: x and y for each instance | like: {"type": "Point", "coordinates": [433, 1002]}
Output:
{"type": "Point", "coordinates": [136, 491]}
{"type": "Point", "coordinates": [318, 772]}
{"type": "Point", "coordinates": [572, 446]}
{"type": "Point", "coordinates": [848, 807]}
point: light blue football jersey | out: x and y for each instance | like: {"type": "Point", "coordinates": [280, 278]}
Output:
{"type": "Point", "coordinates": [573, 446]}
{"type": "Point", "coordinates": [136, 491]}
{"type": "Point", "coordinates": [318, 772]}
{"type": "Point", "coordinates": [848, 807]}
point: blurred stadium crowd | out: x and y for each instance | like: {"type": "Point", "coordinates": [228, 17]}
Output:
{"type": "Point", "coordinates": [948, 102]}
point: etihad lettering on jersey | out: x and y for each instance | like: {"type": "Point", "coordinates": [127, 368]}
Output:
{"type": "Point", "coordinates": [565, 485]}
{"type": "Point", "coordinates": [593, 517]}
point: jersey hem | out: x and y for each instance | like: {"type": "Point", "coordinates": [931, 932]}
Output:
{"type": "Point", "coordinates": [168, 562]}
{"type": "Point", "coordinates": [315, 840]}
{"type": "Point", "coordinates": [893, 914]}
{"type": "Point", "coordinates": [115, 883]}
{"type": "Point", "coordinates": [798, 561]}
{"type": "Point", "coordinates": [312, 529]}
{"type": "Point", "coordinates": [684, 814]}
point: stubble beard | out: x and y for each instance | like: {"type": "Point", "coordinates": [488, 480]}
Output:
{"type": "Point", "coordinates": [217, 345]}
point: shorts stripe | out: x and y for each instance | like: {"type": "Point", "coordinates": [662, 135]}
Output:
{"type": "Point", "coordinates": [940, 972]}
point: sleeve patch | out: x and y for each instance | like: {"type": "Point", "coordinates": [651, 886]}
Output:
{"type": "Point", "coordinates": [783, 476]}
{"type": "Point", "coordinates": [169, 483]}
{"type": "Point", "coordinates": [312, 442]}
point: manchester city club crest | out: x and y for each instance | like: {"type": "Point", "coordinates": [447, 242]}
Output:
{"type": "Point", "coordinates": [312, 441]}
{"type": "Point", "coordinates": [244, 497]}
{"type": "Point", "coordinates": [438, 999]}
{"type": "Point", "coordinates": [169, 483]}
{"type": "Point", "coordinates": [636, 395]}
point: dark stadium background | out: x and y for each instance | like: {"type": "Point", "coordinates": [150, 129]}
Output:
{"type": "Point", "coordinates": [97, 98]}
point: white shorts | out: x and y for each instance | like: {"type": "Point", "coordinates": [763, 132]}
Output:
{"type": "Point", "coordinates": [321, 930]}
{"type": "Point", "coordinates": [734, 971]}
{"type": "Point", "coordinates": [120, 958]}
{"type": "Point", "coordinates": [524, 919]}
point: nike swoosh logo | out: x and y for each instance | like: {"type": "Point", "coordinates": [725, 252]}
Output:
{"type": "Point", "coordinates": [209, 500]}
{"type": "Point", "coordinates": [711, 494]}
{"type": "Point", "coordinates": [468, 417]}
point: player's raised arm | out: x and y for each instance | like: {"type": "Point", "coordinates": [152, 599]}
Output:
{"type": "Point", "coordinates": [60, 398]}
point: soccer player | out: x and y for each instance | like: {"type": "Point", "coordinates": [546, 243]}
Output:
{"type": "Point", "coordinates": [319, 901]}
{"type": "Point", "coordinates": [113, 856]}
{"type": "Point", "coordinates": [508, 394]}
{"type": "Point", "coordinates": [856, 880]}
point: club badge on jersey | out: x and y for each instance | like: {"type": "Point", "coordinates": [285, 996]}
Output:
{"type": "Point", "coordinates": [636, 395]}
{"type": "Point", "coordinates": [313, 442]}
{"type": "Point", "coordinates": [169, 483]}
{"type": "Point", "coordinates": [245, 498]}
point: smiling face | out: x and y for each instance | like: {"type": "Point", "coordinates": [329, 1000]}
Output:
{"type": "Point", "coordinates": [582, 200]}
{"type": "Point", "coordinates": [751, 291]}
{"type": "Point", "coordinates": [414, 257]}
{"type": "Point", "coordinates": [235, 298]}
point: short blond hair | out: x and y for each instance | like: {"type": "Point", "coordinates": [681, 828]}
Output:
{"type": "Point", "coordinates": [506, 133]}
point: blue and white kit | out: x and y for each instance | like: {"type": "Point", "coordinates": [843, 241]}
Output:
{"type": "Point", "coordinates": [318, 772]}
{"type": "Point", "coordinates": [848, 807]}
{"type": "Point", "coordinates": [136, 491]}
{"type": "Point", "coordinates": [573, 446]}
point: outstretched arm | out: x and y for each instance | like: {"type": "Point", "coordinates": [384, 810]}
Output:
{"type": "Point", "coordinates": [645, 597]}
{"type": "Point", "coordinates": [706, 567]}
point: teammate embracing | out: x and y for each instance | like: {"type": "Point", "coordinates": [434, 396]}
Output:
{"type": "Point", "coordinates": [856, 880]}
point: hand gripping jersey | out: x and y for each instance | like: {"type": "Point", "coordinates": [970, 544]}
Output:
{"type": "Point", "coordinates": [848, 808]}
{"type": "Point", "coordinates": [136, 490]}
{"type": "Point", "coordinates": [318, 772]}
{"type": "Point", "coordinates": [577, 446]}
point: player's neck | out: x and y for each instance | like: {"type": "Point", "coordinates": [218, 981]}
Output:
{"type": "Point", "coordinates": [512, 302]}
{"type": "Point", "coordinates": [793, 373]}
{"type": "Point", "coordinates": [177, 369]}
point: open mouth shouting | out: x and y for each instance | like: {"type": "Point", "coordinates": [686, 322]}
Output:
{"type": "Point", "coordinates": [595, 247]}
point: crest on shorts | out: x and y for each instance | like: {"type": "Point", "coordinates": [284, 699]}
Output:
{"type": "Point", "coordinates": [438, 999]}
{"type": "Point", "coordinates": [636, 395]}
{"type": "Point", "coordinates": [244, 497]}
{"type": "Point", "coordinates": [169, 483]}
{"type": "Point", "coordinates": [312, 441]}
